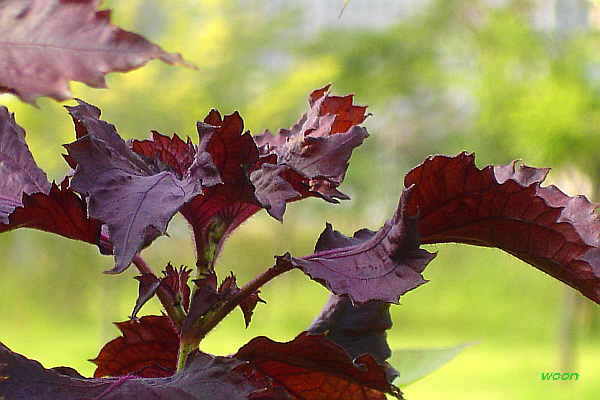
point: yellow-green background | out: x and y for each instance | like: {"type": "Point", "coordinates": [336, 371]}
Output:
{"type": "Point", "coordinates": [437, 83]}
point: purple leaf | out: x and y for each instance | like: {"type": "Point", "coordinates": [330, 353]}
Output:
{"type": "Point", "coordinates": [124, 192]}
{"type": "Point", "coordinates": [380, 265]}
{"type": "Point", "coordinates": [203, 378]}
{"type": "Point", "coordinates": [357, 328]}
{"type": "Point", "coordinates": [19, 174]}
{"type": "Point", "coordinates": [47, 43]}
{"type": "Point", "coordinates": [272, 190]}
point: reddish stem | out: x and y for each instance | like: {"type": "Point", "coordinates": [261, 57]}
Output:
{"type": "Point", "coordinates": [199, 332]}
{"type": "Point", "coordinates": [176, 315]}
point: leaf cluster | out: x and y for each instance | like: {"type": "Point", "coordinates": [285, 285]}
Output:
{"type": "Point", "coordinates": [121, 195]}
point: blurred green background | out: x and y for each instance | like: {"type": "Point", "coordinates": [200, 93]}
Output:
{"type": "Point", "coordinates": [504, 79]}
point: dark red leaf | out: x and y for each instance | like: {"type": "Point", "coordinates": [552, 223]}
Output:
{"type": "Point", "coordinates": [19, 173]}
{"type": "Point", "coordinates": [223, 207]}
{"type": "Point", "coordinates": [379, 265]}
{"type": "Point", "coordinates": [47, 43]}
{"type": "Point", "coordinates": [501, 207]}
{"type": "Point", "coordinates": [229, 288]}
{"type": "Point", "coordinates": [174, 152]}
{"type": "Point", "coordinates": [175, 283]}
{"type": "Point", "coordinates": [61, 211]}
{"type": "Point", "coordinates": [124, 191]}
{"type": "Point", "coordinates": [312, 367]}
{"type": "Point", "coordinates": [204, 377]}
{"type": "Point", "coordinates": [320, 144]}
{"type": "Point", "coordinates": [27, 199]}
{"type": "Point", "coordinates": [233, 153]}
{"type": "Point", "coordinates": [148, 348]}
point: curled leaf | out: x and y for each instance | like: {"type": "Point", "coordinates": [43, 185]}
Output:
{"type": "Point", "coordinates": [174, 152]}
{"type": "Point", "coordinates": [320, 144]}
{"type": "Point", "coordinates": [272, 190]}
{"type": "Point", "coordinates": [508, 208]}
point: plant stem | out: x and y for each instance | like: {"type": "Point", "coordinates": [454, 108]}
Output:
{"type": "Point", "coordinates": [211, 320]}
{"type": "Point", "coordinates": [176, 314]}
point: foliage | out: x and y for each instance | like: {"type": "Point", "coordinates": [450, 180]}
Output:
{"type": "Point", "coordinates": [121, 195]}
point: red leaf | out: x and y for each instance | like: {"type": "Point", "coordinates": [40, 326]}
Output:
{"type": "Point", "coordinates": [379, 265]}
{"type": "Point", "coordinates": [233, 153]}
{"type": "Point", "coordinates": [204, 377]}
{"type": "Point", "coordinates": [61, 211]}
{"type": "Point", "coordinates": [312, 367]}
{"type": "Point", "coordinates": [148, 348]}
{"type": "Point", "coordinates": [233, 201]}
{"type": "Point", "coordinates": [47, 43]}
{"type": "Point", "coordinates": [175, 283]}
{"type": "Point", "coordinates": [229, 288]}
{"type": "Point", "coordinates": [27, 199]}
{"type": "Point", "coordinates": [501, 207]}
{"type": "Point", "coordinates": [320, 144]}
{"type": "Point", "coordinates": [19, 171]}
{"type": "Point", "coordinates": [174, 152]}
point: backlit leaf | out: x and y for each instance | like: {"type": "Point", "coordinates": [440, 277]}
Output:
{"type": "Point", "coordinates": [507, 208]}
{"type": "Point", "coordinates": [320, 144]}
{"type": "Point", "coordinates": [61, 211]}
{"type": "Point", "coordinates": [312, 367]}
{"type": "Point", "coordinates": [147, 348]}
